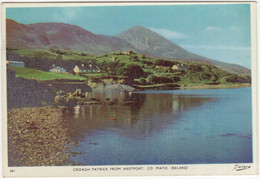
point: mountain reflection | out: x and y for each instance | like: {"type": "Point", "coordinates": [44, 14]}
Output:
{"type": "Point", "coordinates": [144, 115]}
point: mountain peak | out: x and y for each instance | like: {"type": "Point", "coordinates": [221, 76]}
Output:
{"type": "Point", "coordinates": [137, 29]}
{"type": "Point", "coordinates": [154, 44]}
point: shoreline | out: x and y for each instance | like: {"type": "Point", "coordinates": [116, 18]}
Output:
{"type": "Point", "coordinates": [220, 86]}
{"type": "Point", "coordinates": [37, 136]}
{"type": "Point", "coordinates": [197, 86]}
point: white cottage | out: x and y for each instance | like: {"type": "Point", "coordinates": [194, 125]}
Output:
{"type": "Point", "coordinates": [15, 63]}
{"type": "Point", "coordinates": [57, 69]}
{"type": "Point", "coordinates": [179, 67]}
{"type": "Point", "coordinates": [87, 69]}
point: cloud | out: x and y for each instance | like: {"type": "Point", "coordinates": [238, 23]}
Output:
{"type": "Point", "coordinates": [169, 34]}
{"type": "Point", "coordinates": [212, 28]}
{"type": "Point", "coordinates": [66, 14]}
{"type": "Point", "coordinates": [208, 47]}
{"type": "Point", "coordinates": [218, 29]}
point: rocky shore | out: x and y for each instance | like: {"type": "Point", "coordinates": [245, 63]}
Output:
{"type": "Point", "coordinates": [37, 137]}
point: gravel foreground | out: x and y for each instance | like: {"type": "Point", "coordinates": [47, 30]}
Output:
{"type": "Point", "coordinates": [37, 137]}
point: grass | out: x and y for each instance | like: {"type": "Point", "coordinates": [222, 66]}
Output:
{"type": "Point", "coordinates": [93, 75]}
{"type": "Point", "coordinates": [48, 54]}
{"type": "Point", "coordinates": [205, 86]}
{"type": "Point", "coordinates": [198, 73]}
{"type": "Point", "coordinates": [33, 53]}
{"type": "Point", "coordinates": [148, 86]}
{"type": "Point", "coordinates": [41, 75]}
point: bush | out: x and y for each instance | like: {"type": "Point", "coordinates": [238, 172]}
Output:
{"type": "Point", "coordinates": [176, 78]}
{"type": "Point", "coordinates": [142, 80]}
{"type": "Point", "coordinates": [232, 78]}
{"type": "Point", "coordinates": [159, 79]}
{"type": "Point", "coordinates": [195, 68]}
{"type": "Point", "coordinates": [134, 71]}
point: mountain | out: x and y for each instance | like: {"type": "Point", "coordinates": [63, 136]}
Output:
{"type": "Point", "coordinates": [71, 37]}
{"type": "Point", "coordinates": [156, 45]}
{"type": "Point", "coordinates": [61, 36]}
{"type": "Point", "coordinates": [21, 36]}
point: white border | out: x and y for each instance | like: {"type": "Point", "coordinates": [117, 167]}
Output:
{"type": "Point", "coordinates": [195, 169]}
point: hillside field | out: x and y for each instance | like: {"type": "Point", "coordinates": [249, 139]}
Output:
{"type": "Point", "coordinates": [137, 69]}
{"type": "Point", "coordinates": [29, 73]}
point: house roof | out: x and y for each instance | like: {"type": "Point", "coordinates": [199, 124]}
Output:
{"type": "Point", "coordinates": [88, 67]}
{"type": "Point", "coordinates": [15, 62]}
{"type": "Point", "coordinates": [57, 67]}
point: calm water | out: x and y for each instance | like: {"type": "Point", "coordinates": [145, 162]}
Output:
{"type": "Point", "coordinates": [165, 127]}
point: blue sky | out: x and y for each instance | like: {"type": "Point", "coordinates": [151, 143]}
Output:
{"type": "Point", "coordinates": [220, 32]}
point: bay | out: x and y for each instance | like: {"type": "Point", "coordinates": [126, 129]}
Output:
{"type": "Point", "coordinates": [165, 127]}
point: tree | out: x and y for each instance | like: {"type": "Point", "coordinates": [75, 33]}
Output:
{"type": "Point", "coordinates": [134, 71]}
{"type": "Point", "coordinates": [59, 57]}
{"type": "Point", "coordinates": [195, 68]}
{"type": "Point", "coordinates": [159, 79]}
{"type": "Point", "coordinates": [233, 78]}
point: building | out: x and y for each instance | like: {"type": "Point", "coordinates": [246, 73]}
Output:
{"type": "Point", "coordinates": [57, 69]}
{"type": "Point", "coordinates": [179, 67]}
{"type": "Point", "coordinates": [158, 67]}
{"type": "Point", "coordinates": [15, 63]}
{"type": "Point", "coordinates": [93, 69]}
{"type": "Point", "coordinates": [88, 69]}
{"type": "Point", "coordinates": [76, 69]}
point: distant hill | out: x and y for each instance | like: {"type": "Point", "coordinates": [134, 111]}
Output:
{"type": "Point", "coordinates": [70, 37]}
{"type": "Point", "coordinates": [61, 36]}
{"type": "Point", "coordinates": [20, 36]}
{"type": "Point", "coordinates": [156, 45]}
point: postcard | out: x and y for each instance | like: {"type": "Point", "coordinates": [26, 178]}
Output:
{"type": "Point", "coordinates": [129, 89]}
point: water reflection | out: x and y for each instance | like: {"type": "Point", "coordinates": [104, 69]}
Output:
{"type": "Point", "coordinates": [113, 97]}
{"type": "Point", "coordinates": [136, 115]}
{"type": "Point", "coordinates": [164, 127]}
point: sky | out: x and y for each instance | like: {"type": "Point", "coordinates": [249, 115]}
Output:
{"type": "Point", "coordinates": [219, 32]}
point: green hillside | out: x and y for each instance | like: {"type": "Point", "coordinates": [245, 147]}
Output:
{"type": "Point", "coordinates": [146, 70]}
{"type": "Point", "coordinates": [137, 69]}
{"type": "Point", "coordinates": [53, 54]}
{"type": "Point", "coordinates": [41, 75]}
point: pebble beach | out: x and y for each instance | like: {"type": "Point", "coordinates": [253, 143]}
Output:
{"type": "Point", "coordinates": [37, 136]}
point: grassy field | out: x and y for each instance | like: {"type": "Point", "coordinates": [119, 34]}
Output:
{"type": "Point", "coordinates": [93, 75]}
{"type": "Point", "coordinates": [143, 69]}
{"type": "Point", "coordinates": [32, 53]}
{"type": "Point", "coordinates": [41, 75]}
{"type": "Point", "coordinates": [53, 54]}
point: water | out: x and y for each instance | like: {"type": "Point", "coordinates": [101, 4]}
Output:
{"type": "Point", "coordinates": [165, 127]}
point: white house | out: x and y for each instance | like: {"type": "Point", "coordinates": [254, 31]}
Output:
{"type": "Point", "coordinates": [57, 69]}
{"type": "Point", "coordinates": [179, 67]}
{"type": "Point", "coordinates": [15, 63]}
{"type": "Point", "coordinates": [88, 69]}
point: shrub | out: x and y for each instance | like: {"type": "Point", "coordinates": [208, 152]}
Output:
{"type": "Point", "coordinates": [159, 79]}
{"type": "Point", "coordinates": [133, 71]}
{"type": "Point", "coordinates": [195, 68]}
{"type": "Point", "coordinates": [142, 80]}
